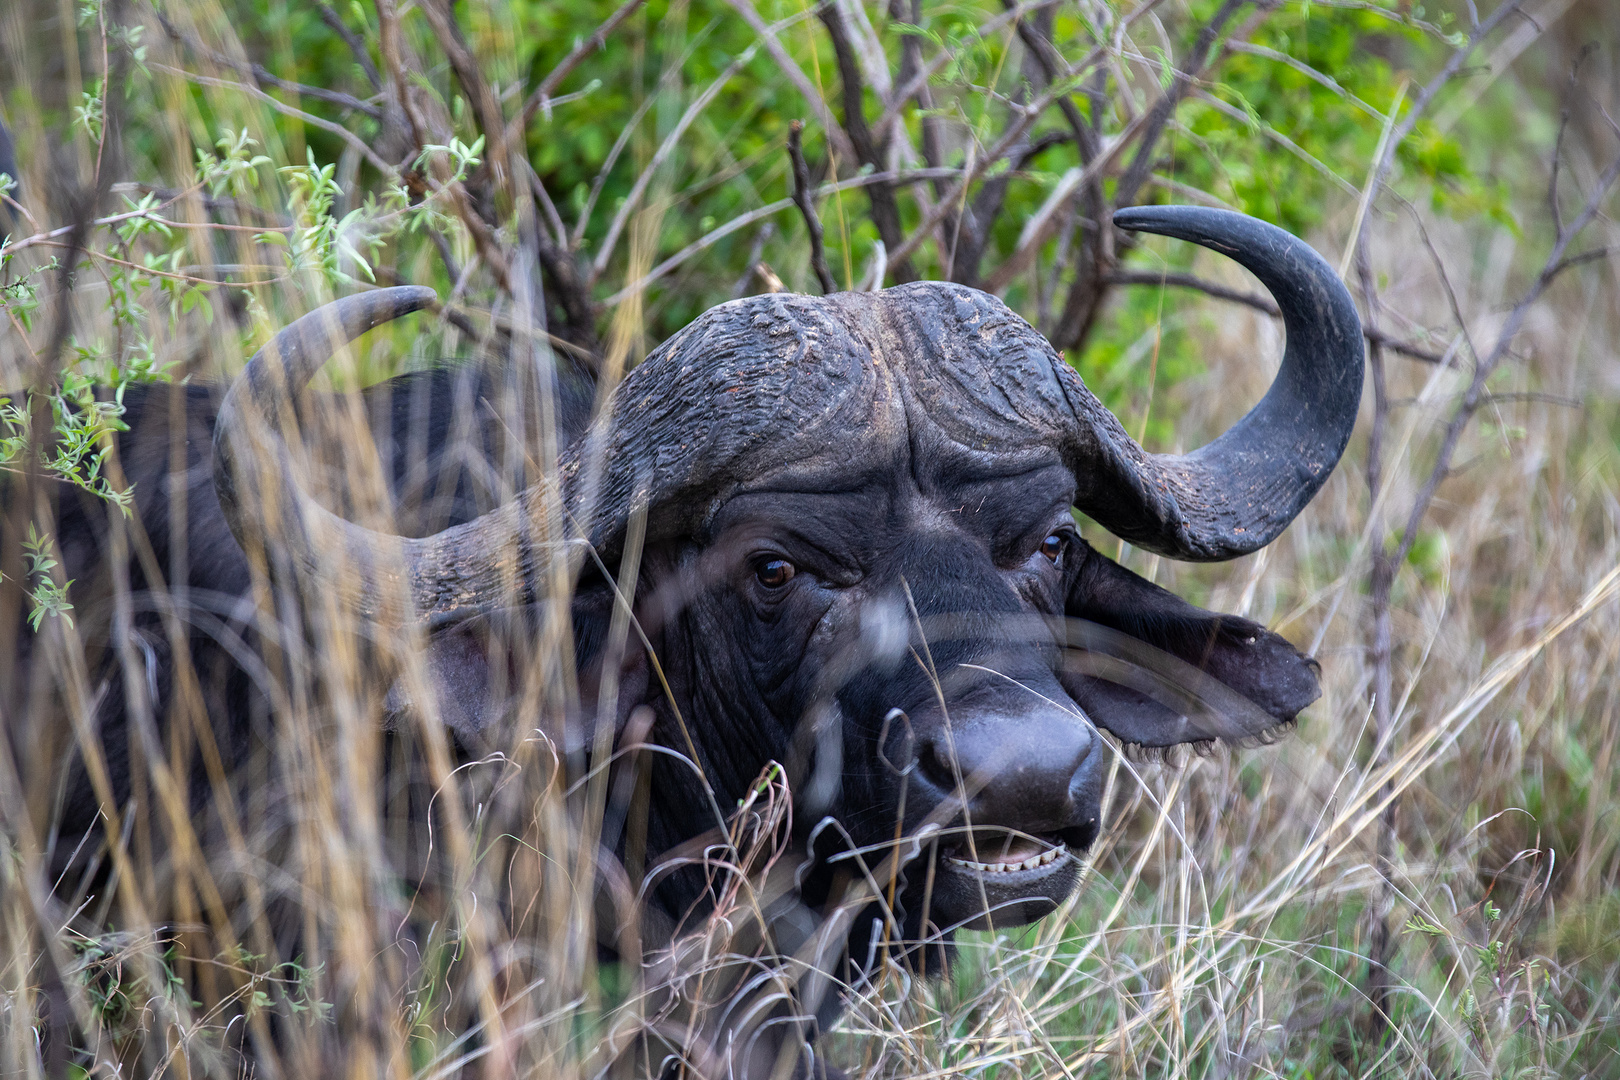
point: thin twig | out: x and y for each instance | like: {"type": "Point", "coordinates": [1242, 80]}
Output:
{"type": "Point", "coordinates": [742, 221]}
{"type": "Point", "coordinates": [1533, 397]}
{"type": "Point", "coordinates": [1426, 97]}
{"type": "Point", "coordinates": [837, 141]}
{"type": "Point", "coordinates": [1445, 279]}
{"type": "Point", "coordinates": [1474, 397]}
{"type": "Point", "coordinates": [1281, 140]}
{"type": "Point", "coordinates": [461, 318]}
{"type": "Point", "coordinates": [892, 115]}
{"type": "Point", "coordinates": [165, 275]}
{"type": "Point", "coordinates": [352, 40]}
{"type": "Point", "coordinates": [99, 223]}
{"type": "Point", "coordinates": [1142, 164]}
{"type": "Point", "coordinates": [870, 152]}
{"type": "Point", "coordinates": [569, 287]}
{"type": "Point", "coordinates": [626, 132]}
{"type": "Point", "coordinates": [1306, 70]}
{"type": "Point", "coordinates": [263, 76]}
{"type": "Point", "coordinates": [1394, 344]}
{"type": "Point", "coordinates": [486, 108]}
{"type": "Point", "coordinates": [1581, 259]}
{"type": "Point", "coordinates": [541, 96]}
{"type": "Point", "coordinates": [287, 110]}
{"type": "Point", "coordinates": [1262, 303]}
{"type": "Point", "coordinates": [803, 200]}
{"type": "Point", "coordinates": [666, 148]}
{"type": "Point", "coordinates": [1258, 301]}
{"type": "Point", "coordinates": [1023, 120]}
{"type": "Point", "coordinates": [211, 203]}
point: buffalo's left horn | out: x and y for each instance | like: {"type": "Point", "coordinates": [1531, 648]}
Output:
{"type": "Point", "coordinates": [1238, 493]}
{"type": "Point", "coordinates": [465, 567]}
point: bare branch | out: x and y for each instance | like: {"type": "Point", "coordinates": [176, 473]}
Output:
{"type": "Point", "coordinates": [1037, 38]}
{"type": "Point", "coordinates": [1426, 97]}
{"type": "Point", "coordinates": [1188, 192]}
{"type": "Point", "coordinates": [1381, 339]}
{"type": "Point", "coordinates": [1445, 279]}
{"type": "Point", "coordinates": [612, 159]}
{"type": "Point", "coordinates": [665, 149]}
{"type": "Point", "coordinates": [1552, 179]}
{"type": "Point", "coordinates": [803, 200]}
{"type": "Point", "coordinates": [1281, 140]}
{"type": "Point", "coordinates": [1474, 396]}
{"type": "Point", "coordinates": [1580, 260]}
{"type": "Point", "coordinates": [1159, 115]}
{"type": "Point", "coordinates": [540, 98]}
{"type": "Point", "coordinates": [462, 319]}
{"type": "Point", "coordinates": [973, 230]}
{"type": "Point", "coordinates": [1262, 303]}
{"type": "Point", "coordinates": [869, 151]}
{"type": "Point", "coordinates": [153, 212]}
{"type": "Point", "coordinates": [1531, 397]}
{"type": "Point", "coordinates": [390, 47]}
{"type": "Point", "coordinates": [1023, 119]}
{"type": "Point", "coordinates": [442, 245]}
{"type": "Point", "coordinates": [909, 17]}
{"type": "Point", "coordinates": [211, 203]}
{"type": "Point", "coordinates": [1038, 230]}
{"type": "Point", "coordinates": [1258, 301]}
{"type": "Point", "coordinates": [836, 139]}
{"type": "Point", "coordinates": [353, 41]}
{"type": "Point", "coordinates": [282, 107]}
{"type": "Point", "coordinates": [915, 84]}
{"type": "Point", "coordinates": [559, 231]}
{"type": "Point", "coordinates": [486, 109]}
{"type": "Point", "coordinates": [1250, 49]}
{"type": "Point", "coordinates": [742, 221]}
{"type": "Point", "coordinates": [569, 287]}
{"type": "Point", "coordinates": [262, 76]}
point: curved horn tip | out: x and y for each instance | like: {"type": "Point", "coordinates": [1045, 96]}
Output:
{"type": "Point", "coordinates": [409, 298]}
{"type": "Point", "coordinates": [363, 311]}
{"type": "Point", "coordinates": [385, 305]}
{"type": "Point", "coordinates": [281, 368]}
{"type": "Point", "coordinates": [1287, 444]}
{"type": "Point", "coordinates": [306, 343]}
{"type": "Point", "coordinates": [1201, 224]}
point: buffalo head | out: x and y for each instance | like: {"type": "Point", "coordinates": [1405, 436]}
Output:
{"type": "Point", "coordinates": [854, 519]}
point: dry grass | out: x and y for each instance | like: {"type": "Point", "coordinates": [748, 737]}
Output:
{"type": "Point", "coordinates": [1224, 926]}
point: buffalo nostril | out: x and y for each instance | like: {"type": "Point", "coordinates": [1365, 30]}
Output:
{"type": "Point", "coordinates": [940, 764]}
{"type": "Point", "coordinates": [1031, 771]}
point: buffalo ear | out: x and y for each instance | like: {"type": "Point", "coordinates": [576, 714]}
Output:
{"type": "Point", "coordinates": [457, 672]}
{"type": "Point", "coordinates": [473, 669]}
{"type": "Point", "coordinates": [1157, 672]}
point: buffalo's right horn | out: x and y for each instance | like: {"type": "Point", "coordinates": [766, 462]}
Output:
{"type": "Point", "coordinates": [1238, 493]}
{"type": "Point", "coordinates": [465, 567]}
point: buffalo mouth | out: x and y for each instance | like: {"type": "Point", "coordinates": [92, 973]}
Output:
{"type": "Point", "coordinates": [1017, 854]}
{"type": "Point", "coordinates": [1004, 879]}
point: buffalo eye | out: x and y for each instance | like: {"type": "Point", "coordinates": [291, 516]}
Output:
{"type": "Point", "coordinates": [1053, 548]}
{"type": "Point", "coordinates": [774, 573]}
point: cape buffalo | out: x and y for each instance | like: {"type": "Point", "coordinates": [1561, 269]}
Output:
{"type": "Point", "coordinates": [854, 519]}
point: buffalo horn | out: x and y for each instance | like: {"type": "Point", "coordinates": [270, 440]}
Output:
{"type": "Point", "coordinates": [1236, 494]}
{"type": "Point", "coordinates": [463, 568]}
